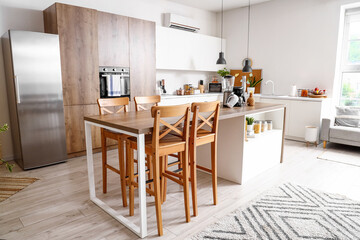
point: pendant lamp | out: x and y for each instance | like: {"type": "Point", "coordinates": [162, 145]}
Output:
{"type": "Point", "coordinates": [247, 61]}
{"type": "Point", "coordinates": [221, 59]}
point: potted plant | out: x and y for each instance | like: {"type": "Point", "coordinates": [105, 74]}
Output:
{"type": "Point", "coordinates": [224, 73]}
{"type": "Point", "coordinates": [250, 122]}
{"type": "Point", "coordinates": [9, 166]}
{"type": "Point", "coordinates": [252, 83]}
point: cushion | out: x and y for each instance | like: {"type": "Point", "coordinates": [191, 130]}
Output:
{"type": "Point", "coordinates": [340, 132]}
{"type": "Point", "coordinates": [347, 116]}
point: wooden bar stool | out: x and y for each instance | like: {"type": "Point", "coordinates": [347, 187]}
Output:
{"type": "Point", "coordinates": [157, 147]}
{"type": "Point", "coordinates": [147, 100]}
{"type": "Point", "coordinates": [141, 104]}
{"type": "Point", "coordinates": [203, 131]}
{"type": "Point", "coordinates": [104, 105]}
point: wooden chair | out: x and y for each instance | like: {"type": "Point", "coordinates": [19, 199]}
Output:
{"type": "Point", "coordinates": [140, 101]}
{"type": "Point", "coordinates": [203, 131]}
{"type": "Point", "coordinates": [139, 105]}
{"type": "Point", "coordinates": [105, 106]}
{"type": "Point", "coordinates": [158, 147]}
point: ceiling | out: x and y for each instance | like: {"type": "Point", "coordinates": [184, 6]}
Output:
{"type": "Point", "coordinates": [215, 5]}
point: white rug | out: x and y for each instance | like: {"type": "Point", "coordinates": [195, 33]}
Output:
{"type": "Point", "coordinates": [342, 154]}
{"type": "Point", "coordinates": [290, 212]}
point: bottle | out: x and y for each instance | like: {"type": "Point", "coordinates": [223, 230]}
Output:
{"type": "Point", "coordinates": [201, 86]}
{"type": "Point", "coordinates": [251, 100]}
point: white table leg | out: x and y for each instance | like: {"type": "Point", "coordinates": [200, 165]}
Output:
{"type": "Point", "coordinates": [142, 230]}
{"type": "Point", "coordinates": [90, 161]}
{"type": "Point", "coordinates": [142, 185]}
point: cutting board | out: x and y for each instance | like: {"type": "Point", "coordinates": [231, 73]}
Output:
{"type": "Point", "coordinates": [317, 96]}
{"type": "Point", "coordinates": [256, 72]}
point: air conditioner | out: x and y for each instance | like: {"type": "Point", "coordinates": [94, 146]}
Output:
{"type": "Point", "coordinates": [179, 22]}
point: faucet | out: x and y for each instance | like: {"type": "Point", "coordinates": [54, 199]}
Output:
{"type": "Point", "coordinates": [273, 87]}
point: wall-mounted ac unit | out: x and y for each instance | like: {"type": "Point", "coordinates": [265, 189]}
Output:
{"type": "Point", "coordinates": [179, 22]}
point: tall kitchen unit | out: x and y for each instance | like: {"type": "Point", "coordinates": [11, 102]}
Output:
{"type": "Point", "coordinates": [34, 89]}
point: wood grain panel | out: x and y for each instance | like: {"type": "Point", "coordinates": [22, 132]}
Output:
{"type": "Point", "coordinates": [256, 72]}
{"type": "Point", "coordinates": [77, 28]}
{"type": "Point", "coordinates": [113, 38]}
{"type": "Point", "coordinates": [50, 23]}
{"type": "Point", "coordinates": [142, 57]}
{"type": "Point", "coordinates": [75, 130]}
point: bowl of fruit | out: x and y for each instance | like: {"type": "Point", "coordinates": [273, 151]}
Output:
{"type": "Point", "coordinates": [318, 93]}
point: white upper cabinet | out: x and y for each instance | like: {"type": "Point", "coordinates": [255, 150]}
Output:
{"type": "Point", "coordinates": [181, 50]}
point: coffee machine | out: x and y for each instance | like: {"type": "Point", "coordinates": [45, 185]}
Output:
{"type": "Point", "coordinates": [239, 91]}
{"type": "Point", "coordinates": [228, 85]}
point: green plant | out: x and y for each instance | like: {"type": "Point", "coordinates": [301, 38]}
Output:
{"type": "Point", "coordinates": [9, 166]}
{"type": "Point", "coordinates": [223, 72]}
{"type": "Point", "coordinates": [252, 81]}
{"type": "Point", "coordinates": [250, 120]}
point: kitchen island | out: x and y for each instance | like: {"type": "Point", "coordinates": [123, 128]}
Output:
{"type": "Point", "coordinates": [230, 149]}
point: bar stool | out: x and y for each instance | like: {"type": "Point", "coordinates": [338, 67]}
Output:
{"type": "Point", "coordinates": [203, 131]}
{"type": "Point", "coordinates": [140, 105]}
{"type": "Point", "coordinates": [141, 101]}
{"type": "Point", "coordinates": [159, 145]}
{"type": "Point", "coordinates": [104, 105]}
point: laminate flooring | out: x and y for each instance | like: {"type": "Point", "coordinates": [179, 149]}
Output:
{"type": "Point", "coordinates": [58, 207]}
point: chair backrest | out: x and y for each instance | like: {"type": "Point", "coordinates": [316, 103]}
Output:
{"type": "Point", "coordinates": [199, 121]}
{"type": "Point", "coordinates": [140, 101]}
{"type": "Point", "coordinates": [163, 128]}
{"type": "Point", "coordinates": [106, 103]}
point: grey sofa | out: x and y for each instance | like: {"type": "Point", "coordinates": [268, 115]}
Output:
{"type": "Point", "coordinates": [339, 134]}
{"type": "Point", "coordinates": [345, 129]}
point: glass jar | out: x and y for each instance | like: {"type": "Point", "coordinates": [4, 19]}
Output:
{"type": "Point", "coordinates": [257, 127]}
{"type": "Point", "coordinates": [264, 126]}
{"type": "Point", "coordinates": [269, 124]}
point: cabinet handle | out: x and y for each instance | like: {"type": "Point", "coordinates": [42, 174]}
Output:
{"type": "Point", "coordinates": [17, 89]}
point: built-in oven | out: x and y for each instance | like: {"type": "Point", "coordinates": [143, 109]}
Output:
{"type": "Point", "coordinates": [114, 82]}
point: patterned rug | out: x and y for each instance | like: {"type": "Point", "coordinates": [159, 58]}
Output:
{"type": "Point", "coordinates": [9, 186]}
{"type": "Point", "coordinates": [290, 212]}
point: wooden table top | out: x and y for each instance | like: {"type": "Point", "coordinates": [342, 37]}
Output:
{"type": "Point", "coordinates": [142, 122]}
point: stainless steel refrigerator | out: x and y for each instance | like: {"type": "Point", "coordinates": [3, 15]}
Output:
{"type": "Point", "coordinates": [34, 89]}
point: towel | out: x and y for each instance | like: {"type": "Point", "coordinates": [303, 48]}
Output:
{"type": "Point", "coordinates": [113, 83]}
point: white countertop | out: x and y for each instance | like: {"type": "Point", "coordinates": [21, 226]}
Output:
{"type": "Point", "coordinates": [284, 97]}
{"type": "Point", "coordinates": [279, 97]}
{"type": "Point", "coordinates": [167, 96]}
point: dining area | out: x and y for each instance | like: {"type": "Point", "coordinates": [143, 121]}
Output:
{"type": "Point", "coordinates": [161, 152]}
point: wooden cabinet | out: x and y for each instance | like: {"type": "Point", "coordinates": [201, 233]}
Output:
{"type": "Point", "coordinates": [113, 38]}
{"type": "Point", "coordinates": [89, 39]}
{"type": "Point", "coordinates": [75, 130]}
{"type": "Point", "coordinates": [78, 35]}
{"type": "Point", "coordinates": [142, 57]}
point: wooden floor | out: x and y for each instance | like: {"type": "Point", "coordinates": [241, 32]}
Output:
{"type": "Point", "coordinates": [58, 207]}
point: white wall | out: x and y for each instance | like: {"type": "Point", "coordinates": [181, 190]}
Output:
{"type": "Point", "coordinates": [27, 15]}
{"type": "Point", "coordinates": [293, 41]}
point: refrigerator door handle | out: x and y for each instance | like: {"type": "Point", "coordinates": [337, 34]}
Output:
{"type": "Point", "coordinates": [17, 89]}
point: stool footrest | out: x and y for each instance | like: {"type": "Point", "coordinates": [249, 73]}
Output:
{"type": "Point", "coordinates": [174, 163]}
{"type": "Point", "coordinates": [167, 175]}
{"type": "Point", "coordinates": [204, 168]}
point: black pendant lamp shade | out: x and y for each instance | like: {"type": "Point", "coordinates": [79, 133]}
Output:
{"type": "Point", "coordinates": [247, 68]}
{"type": "Point", "coordinates": [221, 59]}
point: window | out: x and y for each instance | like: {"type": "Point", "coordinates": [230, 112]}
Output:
{"type": "Point", "coordinates": [350, 64]}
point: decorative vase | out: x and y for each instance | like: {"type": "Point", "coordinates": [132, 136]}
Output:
{"type": "Point", "coordinates": [251, 100]}
{"type": "Point", "coordinates": [251, 89]}
{"type": "Point", "coordinates": [250, 128]}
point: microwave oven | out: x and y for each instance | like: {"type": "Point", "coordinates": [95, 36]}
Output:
{"type": "Point", "coordinates": [215, 87]}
